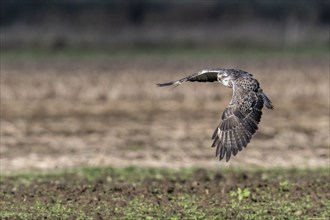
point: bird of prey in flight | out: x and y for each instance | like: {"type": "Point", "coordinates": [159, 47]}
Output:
{"type": "Point", "coordinates": [240, 119]}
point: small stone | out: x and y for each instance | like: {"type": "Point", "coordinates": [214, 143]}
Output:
{"type": "Point", "coordinates": [298, 213]}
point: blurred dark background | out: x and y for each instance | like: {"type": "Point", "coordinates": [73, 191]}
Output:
{"type": "Point", "coordinates": [148, 24]}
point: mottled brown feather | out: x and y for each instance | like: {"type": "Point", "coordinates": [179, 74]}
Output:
{"type": "Point", "coordinates": [238, 126]}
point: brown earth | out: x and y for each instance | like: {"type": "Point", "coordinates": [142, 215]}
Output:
{"type": "Point", "coordinates": [198, 194]}
{"type": "Point", "coordinates": [68, 112]}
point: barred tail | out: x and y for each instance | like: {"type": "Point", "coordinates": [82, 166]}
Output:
{"type": "Point", "coordinates": [267, 102]}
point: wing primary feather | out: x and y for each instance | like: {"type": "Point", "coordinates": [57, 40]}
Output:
{"type": "Point", "coordinates": [235, 150]}
{"type": "Point", "coordinates": [247, 126]}
{"type": "Point", "coordinates": [222, 151]}
{"type": "Point", "coordinates": [202, 76]}
{"type": "Point", "coordinates": [215, 142]}
{"type": "Point", "coordinates": [228, 154]}
{"type": "Point", "coordinates": [256, 116]}
{"type": "Point", "coordinates": [252, 123]}
{"type": "Point", "coordinates": [230, 140]}
{"type": "Point", "coordinates": [223, 145]}
{"type": "Point", "coordinates": [248, 137]}
{"type": "Point", "coordinates": [166, 84]}
{"type": "Point", "coordinates": [173, 83]}
{"type": "Point", "coordinates": [242, 135]}
{"type": "Point", "coordinates": [236, 144]}
{"type": "Point", "coordinates": [217, 150]}
{"type": "Point", "coordinates": [229, 145]}
{"type": "Point", "coordinates": [215, 133]}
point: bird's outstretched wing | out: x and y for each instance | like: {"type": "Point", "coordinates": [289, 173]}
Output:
{"type": "Point", "coordinates": [239, 122]}
{"type": "Point", "coordinates": [202, 76]}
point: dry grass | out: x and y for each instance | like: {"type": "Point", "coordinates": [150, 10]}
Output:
{"type": "Point", "coordinates": [108, 111]}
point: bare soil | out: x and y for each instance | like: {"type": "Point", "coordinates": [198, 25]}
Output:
{"type": "Point", "coordinates": [161, 194]}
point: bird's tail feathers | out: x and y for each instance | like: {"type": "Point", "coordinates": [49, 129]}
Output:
{"type": "Point", "coordinates": [267, 101]}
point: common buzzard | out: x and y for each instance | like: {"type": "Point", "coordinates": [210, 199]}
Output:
{"type": "Point", "coordinates": [240, 119]}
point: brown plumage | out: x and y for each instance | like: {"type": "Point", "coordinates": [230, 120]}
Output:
{"type": "Point", "coordinates": [241, 118]}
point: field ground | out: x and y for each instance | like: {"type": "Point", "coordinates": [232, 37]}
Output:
{"type": "Point", "coordinates": [135, 193]}
{"type": "Point", "coordinates": [67, 112]}
{"type": "Point", "coordinates": [71, 111]}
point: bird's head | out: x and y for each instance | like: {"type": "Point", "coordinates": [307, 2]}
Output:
{"type": "Point", "coordinates": [225, 77]}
